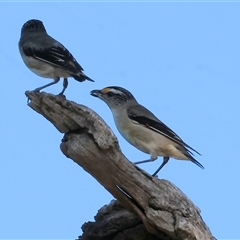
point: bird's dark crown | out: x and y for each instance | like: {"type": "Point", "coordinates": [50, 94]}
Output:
{"type": "Point", "coordinates": [118, 93]}
{"type": "Point", "coordinates": [33, 24]}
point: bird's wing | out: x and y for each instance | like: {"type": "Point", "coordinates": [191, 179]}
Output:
{"type": "Point", "coordinates": [149, 120]}
{"type": "Point", "coordinates": [57, 56]}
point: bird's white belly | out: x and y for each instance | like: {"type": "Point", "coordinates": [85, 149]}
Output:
{"type": "Point", "coordinates": [43, 69]}
{"type": "Point", "coordinates": [137, 136]}
{"type": "Point", "coordinates": [149, 141]}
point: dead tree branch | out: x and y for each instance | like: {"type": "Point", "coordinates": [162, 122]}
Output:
{"type": "Point", "coordinates": [155, 205]}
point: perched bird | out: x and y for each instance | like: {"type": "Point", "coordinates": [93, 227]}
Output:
{"type": "Point", "coordinates": [142, 129]}
{"type": "Point", "coordinates": [47, 57]}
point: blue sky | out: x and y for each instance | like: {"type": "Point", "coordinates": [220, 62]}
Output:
{"type": "Point", "coordinates": [180, 60]}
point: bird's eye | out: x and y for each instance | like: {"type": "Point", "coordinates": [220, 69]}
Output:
{"type": "Point", "coordinates": [110, 94]}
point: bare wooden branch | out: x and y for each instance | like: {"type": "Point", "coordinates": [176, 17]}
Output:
{"type": "Point", "coordinates": [164, 210]}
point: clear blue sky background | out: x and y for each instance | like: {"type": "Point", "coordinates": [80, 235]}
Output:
{"type": "Point", "coordinates": [181, 60]}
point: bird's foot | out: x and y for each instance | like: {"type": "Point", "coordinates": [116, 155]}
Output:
{"type": "Point", "coordinates": [62, 95]}
{"type": "Point", "coordinates": [37, 90]}
{"type": "Point", "coordinates": [28, 95]}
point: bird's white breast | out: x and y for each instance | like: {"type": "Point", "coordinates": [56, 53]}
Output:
{"type": "Point", "coordinates": [43, 69]}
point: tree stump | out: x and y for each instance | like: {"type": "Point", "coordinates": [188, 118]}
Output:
{"type": "Point", "coordinates": [147, 208]}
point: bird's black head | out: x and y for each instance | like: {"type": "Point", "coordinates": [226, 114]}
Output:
{"type": "Point", "coordinates": [33, 25]}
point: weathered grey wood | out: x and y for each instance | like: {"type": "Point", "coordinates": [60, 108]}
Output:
{"type": "Point", "coordinates": [163, 209]}
{"type": "Point", "coordinates": [114, 222]}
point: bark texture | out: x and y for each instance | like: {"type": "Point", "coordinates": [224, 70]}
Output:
{"type": "Point", "coordinates": [147, 208]}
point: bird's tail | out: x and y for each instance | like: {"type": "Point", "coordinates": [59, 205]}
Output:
{"type": "Point", "coordinates": [82, 77]}
{"type": "Point", "coordinates": [189, 156]}
{"type": "Point", "coordinates": [197, 163]}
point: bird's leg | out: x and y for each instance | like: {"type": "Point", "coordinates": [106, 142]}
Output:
{"type": "Point", "coordinates": [56, 80]}
{"type": "Point", "coordinates": [145, 161]}
{"type": "Point", "coordinates": [65, 84]}
{"type": "Point", "coordinates": [165, 160]}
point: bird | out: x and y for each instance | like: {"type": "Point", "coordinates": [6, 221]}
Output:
{"type": "Point", "coordinates": [141, 128]}
{"type": "Point", "coordinates": [47, 57]}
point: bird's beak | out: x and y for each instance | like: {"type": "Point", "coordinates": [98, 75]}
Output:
{"type": "Point", "coordinates": [96, 93]}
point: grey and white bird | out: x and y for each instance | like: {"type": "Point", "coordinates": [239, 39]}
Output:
{"type": "Point", "coordinates": [143, 129]}
{"type": "Point", "coordinates": [46, 57]}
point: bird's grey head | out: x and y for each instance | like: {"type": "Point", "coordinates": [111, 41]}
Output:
{"type": "Point", "coordinates": [33, 25]}
{"type": "Point", "coordinates": [113, 96]}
